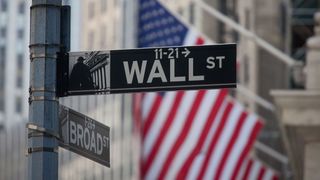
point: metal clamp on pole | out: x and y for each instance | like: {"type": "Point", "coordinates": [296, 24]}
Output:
{"type": "Point", "coordinates": [41, 89]}
{"type": "Point", "coordinates": [45, 45]}
{"type": "Point", "coordinates": [48, 56]}
{"type": "Point", "coordinates": [41, 149]}
{"type": "Point", "coordinates": [42, 98]}
{"type": "Point", "coordinates": [36, 131]}
{"type": "Point", "coordinates": [40, 131]}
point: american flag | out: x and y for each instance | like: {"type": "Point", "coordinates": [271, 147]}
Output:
{"type": "Point", "coordinates": [189, 134]}
{"type": "Point", "coordinates": [254, 169]}
{"type": "Point", "coordinates": [158, 27]}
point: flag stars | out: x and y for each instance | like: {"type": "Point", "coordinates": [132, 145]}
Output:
{"type": "Point", "coordinates": [180, 28]}
{"type": "Point", "coordinates": [145, 27]}
{"type": "Point", "coordinates": [144, 5]}
{"type": "Point", "coordinates": [146, 16]}
{"type": "Point", "coordinates": [162, 43]}
{"type": "Point", "coordinates": [161, 11]}
{"type": "Point", "coordinates": [152, 3]}
{"type": "Point", "coordinates": [155, 13]}
{"type": "Point", "coordinates": [150, 26]}
{"type": "Point", "coordinates": [164, 21]}
{"type": "Point", "coordinates": [169, 41]}
{"type": "Point", "coordinates": [148, 4]}
{"type": "Point", "coordinates": [160, 34]}
{"type": "Point", "coordinates": [177, 39]}
{"type": "Point", "coordinates": [158, 27]}
{"type": "Point", "coordinates": [174, 29]}
{"type": "Point", "coordinates": [151, 36]}
{"type": "Point", "coordinates": [170, 19]}
{"type": "Point", "coordinates": [158, 23]}
{"type": "Point", "coordinates": [167, 31]}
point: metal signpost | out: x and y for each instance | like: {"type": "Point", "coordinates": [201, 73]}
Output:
{"type": "Point", "coordinates": [43, 123]}
{"type": "Point", "coordinates": [150, 69]}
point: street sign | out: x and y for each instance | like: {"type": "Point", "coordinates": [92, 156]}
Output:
{"type": "Point", "coordinates": [85, 136]}
{"type": "Point", "coordinates": [149, 69]}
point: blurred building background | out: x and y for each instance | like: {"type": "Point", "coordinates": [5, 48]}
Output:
{"type": "Point", "coordinates": [14, 39]}
{"type": "Point", "coordinates": [14, 82]}
{"type": "Point", "coordinates": [111, 24]}
{"type": "Point", "coordinates": [96, 24]}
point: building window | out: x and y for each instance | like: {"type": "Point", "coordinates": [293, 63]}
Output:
{"type": "Point", "coordinates": [115, 27]}
{"type": "Point", "coordinates": [180, 11]}
{"type": "Point", "coordinates": [91, 40]}
{"type": "Point", "coordinates": [3, 32]}
{"type": "Point", "coordinates": [103, 36]}
{"type": "Point", "coordinates": [4, 5]}
{"type": "Point", "coordinates": [21, 7]}
{"type": "Point", "coordinates": [2, 100]}
{"type": "Point", "coordinates": [18, 105]}
{"type": "Point", "coordinates": [302, 25]}
{"type": "Point", "coordinates": [19, 80]}
{"type": "Point", "coordinates": [246, 69]}
{"type": "Point", "coordinates": [91, 10]}
{"type": "Point", "coordinates": [191, 13]}
{"type": "Point", "coordinates": [103, 6]}
{"type": "Point", "coordinates": [20, 62]}
{"type": "Point", "coordinates": [20, 34]}
{"type": "Point", "coordinates": [2, 55]}
{"type": "Point", "coordinates": [2, 78]}
{"type": "Point", "coordinates": [2, 67]}
{"type": "Point", "coordinates": [247, 19]}
{"type": "Point", "coordinates": [115, 3]}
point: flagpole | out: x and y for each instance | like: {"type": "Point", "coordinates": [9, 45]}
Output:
{"type": "Point", "coordinates": [245, 32]}
{"type": "Point", "coordinates": [267, 150]}
{"type": "Point", "coordinates": [43, 126]}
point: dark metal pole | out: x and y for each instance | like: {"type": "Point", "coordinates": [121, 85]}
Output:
{"type": "Point", "coordinates": [43, 123]}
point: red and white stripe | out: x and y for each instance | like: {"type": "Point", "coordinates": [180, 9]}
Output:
{"type": "Point", "coordinates": [253, 169]}
{"type": "Point", "coordinates": [192, 38]}
{"type": "Point", "coordinates": [195, 135]}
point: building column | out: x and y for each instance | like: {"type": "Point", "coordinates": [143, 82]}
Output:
{"type": "Point", "coordinates": [299, 114]}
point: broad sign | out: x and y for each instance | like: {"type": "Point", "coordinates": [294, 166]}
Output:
{"type": "Point", "coordinates": [84, 136]}
{"type": "Point", "coordinates": [150, 69]}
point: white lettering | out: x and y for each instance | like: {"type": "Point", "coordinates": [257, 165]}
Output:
{"type": "Point", "coordinates": [174, 78]}
{"type": "Point", "coordinates": [160, 74]}
{"type": "Point", "coordinates": [105, 141]}
{"type": "Point", "coordinates": [80, 135]}
{"type": "Point", "coordinates": [84, 137]}
{"type": "Point", "coordinates": [99, 144]}
{"type": "Point", "coordinates": [73, 132]}
{"type": "Point", "coordinates": [87, 138]}
{"type": "Point", "coordinates": [220, 58]}
{"type": "Point", "coordinates": [192, 77]}
{"type": "Point", "coordinates": [135, 70]}
{"type": "Point", "coordinates": [93, 143]}
{"type": "Point", "coordinates": [210, 62]}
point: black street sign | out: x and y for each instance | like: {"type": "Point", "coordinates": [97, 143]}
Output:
{"type": "Point", "coordinates": [84, 136]}
{"type": "Point", "coordinates": [149, 69]}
